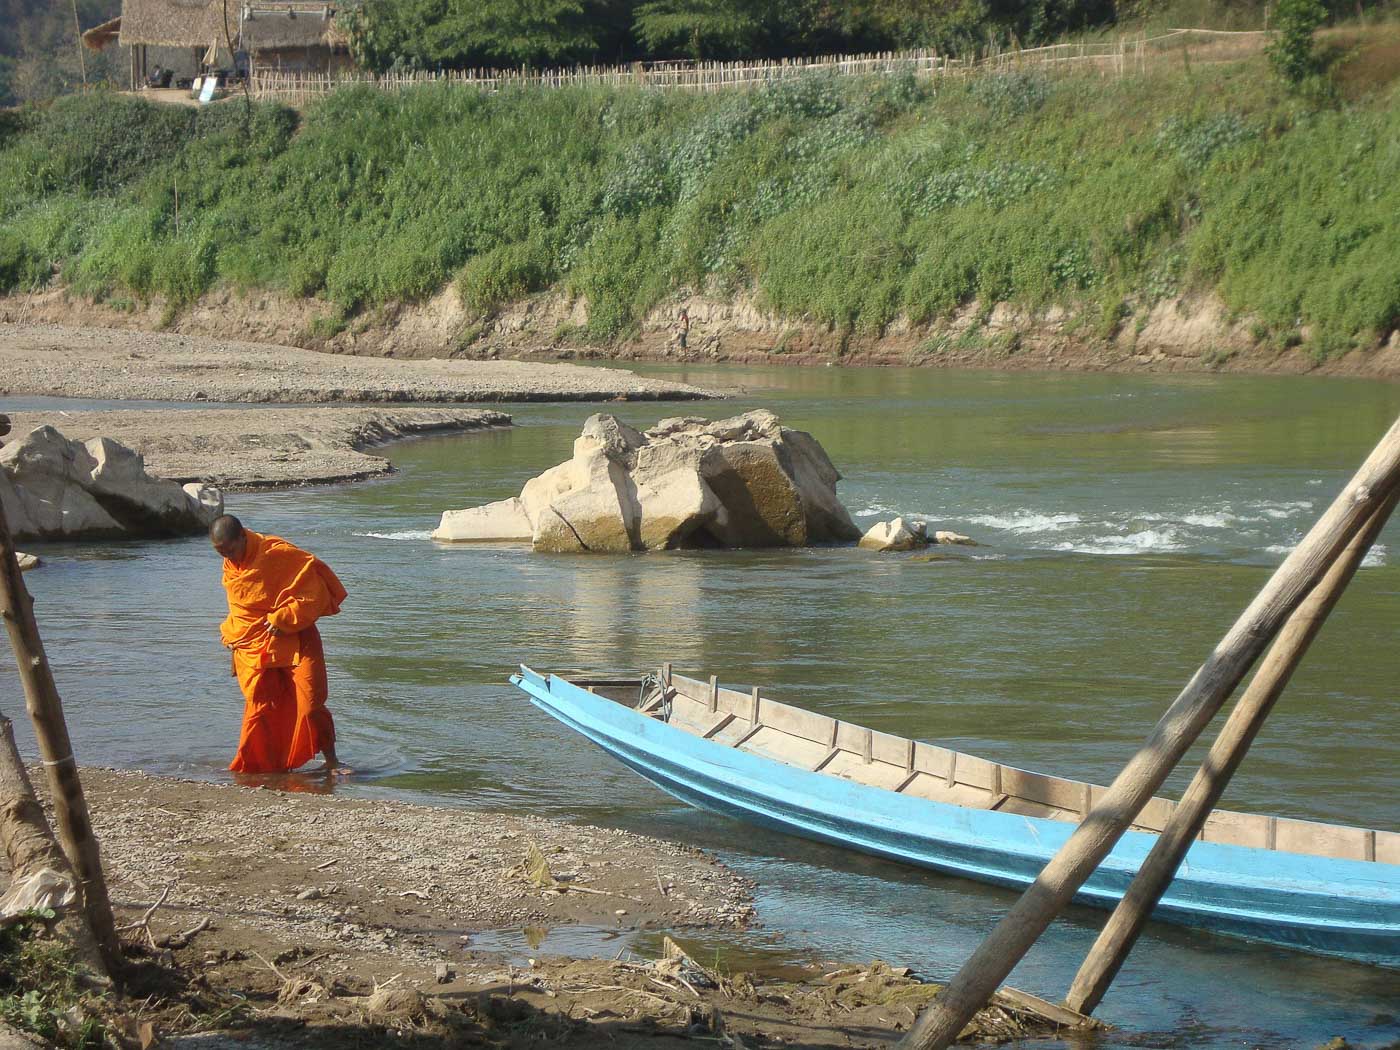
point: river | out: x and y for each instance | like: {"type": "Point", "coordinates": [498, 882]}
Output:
{"type": "Point", "coordinates": [1124, 520]}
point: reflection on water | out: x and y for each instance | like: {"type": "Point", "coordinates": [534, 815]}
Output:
{"type": "Point", "coordinates": [1125, 523]}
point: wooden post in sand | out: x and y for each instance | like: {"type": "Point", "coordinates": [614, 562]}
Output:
{"type": "Point", "coordinates": [1178, 728]}
{"type": "Point", "coordinates": [30, 848]}
{"type": "Point", "coordinates": [51, 731]}
{"type": "Point", "coordinates": [1121, 931]}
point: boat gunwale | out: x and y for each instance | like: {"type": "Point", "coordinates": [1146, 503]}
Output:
{"type": "Point", "coordinates": [998, 781]}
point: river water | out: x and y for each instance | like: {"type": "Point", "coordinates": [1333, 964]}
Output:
{"type": "Point", "coordinates": [1124, 522]}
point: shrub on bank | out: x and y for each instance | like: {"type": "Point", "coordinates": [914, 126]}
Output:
{"type": "Point", "coordinates": [844, 201]}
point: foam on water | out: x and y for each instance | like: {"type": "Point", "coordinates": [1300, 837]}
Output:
{"type": "Point", "coordinates": [405, 534]}
{"type": "Point", "coordinates": [1026, 521]}
{"type": "Point", "coordinates": [1144, 542]}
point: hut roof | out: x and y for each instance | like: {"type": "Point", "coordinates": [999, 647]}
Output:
{"type": "Point", "coordinates": [270, 26]}
{"type": "Point", "coordinates": [177, 23]}
{"type": "Point", "coordinates": [100, 36]}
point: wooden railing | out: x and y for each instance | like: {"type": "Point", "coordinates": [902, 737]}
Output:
{"type": "Point", "coordinates": [1119, 57]}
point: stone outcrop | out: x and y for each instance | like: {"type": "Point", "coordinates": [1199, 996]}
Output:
{"type": "Point", "coordinates": [746, 481]}
{"type": "Point", "coordinates": [908, 535]}
{"type": "Point", "coordinates": [52, 489]}
{"type": "Point", "coordinates": [897, 535]}
{"type": "Point", "coordinates": [27, 561]}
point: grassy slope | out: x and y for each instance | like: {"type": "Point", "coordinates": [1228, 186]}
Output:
{"type": "Point", "coordinates": [848, 203]}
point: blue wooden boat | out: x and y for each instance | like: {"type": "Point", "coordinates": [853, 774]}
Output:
{"type": "Point", "coordinates": [1320, 888]}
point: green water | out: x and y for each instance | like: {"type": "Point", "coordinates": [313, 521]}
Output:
{"type": "Point", "coordinates": [1125, 523]}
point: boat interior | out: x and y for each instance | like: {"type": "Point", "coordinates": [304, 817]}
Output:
{"type": "Point", "coordinates": [762, 726]}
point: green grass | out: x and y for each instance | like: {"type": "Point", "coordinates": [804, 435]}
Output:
{"type": "Point", "coordinates": [39, 987]}
{"type": "Point", "coordinates": [842, 202]}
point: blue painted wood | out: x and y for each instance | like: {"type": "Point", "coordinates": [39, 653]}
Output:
{"type": "Point", "coordinates": [1328, 906]}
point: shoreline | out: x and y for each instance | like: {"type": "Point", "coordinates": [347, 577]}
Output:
{"type": "Point", "coordinates": [282, 918]}
{"type": "Point", "coordinates": [1187, 335]}
{"type": "Point", "coordinates": [242, 450]}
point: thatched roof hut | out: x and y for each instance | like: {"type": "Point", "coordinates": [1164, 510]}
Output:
{"type": "Point", "coordinates": [178, 23]}
{"type": "Point", "coordinates": [100, 36]}
{"type": "Point", "coordinates": [275, 27]}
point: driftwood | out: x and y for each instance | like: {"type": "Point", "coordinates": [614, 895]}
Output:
{"type": "Point", "coordinates": [56, 750]}
{"type": "Point", "coordinates": [1121, 931]}
{"type": "Point", "coordinates": [1145, 772]}
{"type": "Point", "coordinates": [31, 848]}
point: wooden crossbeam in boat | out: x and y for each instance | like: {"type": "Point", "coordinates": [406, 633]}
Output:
{"type": "Point", "coordinates": [907, 781]}
{"type": "Point", "coordinates": [753, 731]}
{"type": "Point", "coordinates": [823, 763]}
{"type": "Point", "coordinates": [720, 724]}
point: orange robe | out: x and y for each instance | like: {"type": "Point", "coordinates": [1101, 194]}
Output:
{"type": "Point", "coordinates": [283, 677]}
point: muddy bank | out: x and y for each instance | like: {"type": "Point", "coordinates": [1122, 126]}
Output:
{"type": "Point", "coordinates": [237, 448]}
{"type": "Point", "coordinates": [1188, 334]}
{"type": "Point", "coordinates": [40, 359]}
{"type": "Point", "coordinates": [281, 918]}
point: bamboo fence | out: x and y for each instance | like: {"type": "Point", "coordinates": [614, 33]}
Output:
{"type": "Point", "coordinates": [1120, 57]}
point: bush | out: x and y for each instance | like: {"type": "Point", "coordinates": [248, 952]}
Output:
{"type": "Point", "coordinates": [1291, 51]}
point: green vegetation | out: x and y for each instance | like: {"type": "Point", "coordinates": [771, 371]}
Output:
{"type": "Point", "coordinates": [39, 55]}
{"type": "Point", "coordinates": [843, 202]}
{"type": "Point", "coordinates": [39, 989]}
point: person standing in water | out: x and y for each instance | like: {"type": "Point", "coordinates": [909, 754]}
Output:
{"type": "Point", "coordinates": [276, 593]}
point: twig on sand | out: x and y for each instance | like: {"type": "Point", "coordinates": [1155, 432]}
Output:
{"type": "Point", "coordinates": [270, 965]}
{"type": "Point", "coordinates": [144, 923]}
{"type": "Point", "coordinates": [179, 940]}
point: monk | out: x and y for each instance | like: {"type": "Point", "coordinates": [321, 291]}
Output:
{"type": "Point", "coordinates": [276, 593]}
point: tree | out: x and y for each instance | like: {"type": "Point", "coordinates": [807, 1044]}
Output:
{"type": "Point", "coordinates": [703, 28]}
{"type": "Point", "coordinates": [429, 34]}
{"type": "Point", "coordinates": [1291, 51]}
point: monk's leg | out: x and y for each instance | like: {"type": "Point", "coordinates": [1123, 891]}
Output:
{"type": "Point", "coordinates": [315, 730]}
{"type": "Point", "coordinates": [269, 714]}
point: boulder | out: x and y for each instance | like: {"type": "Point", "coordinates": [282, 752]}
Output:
{"type": "Point", "coordinates": [52, 488]}
{"type": "Point", "coordinates": [27, 561]}
{"type": "Point", "coordinates": [953, 537]}
{"type": "Point", "coordinates": [503, 520]}
{"type": "Point", "coordinates": [897, 535]}
{"type": "Point", "coordinates": [746, 481]}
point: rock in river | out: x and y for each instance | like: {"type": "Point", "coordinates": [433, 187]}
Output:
{"type": "Point", "coordinates": [747, 481]}
{"type": "Point", "coordinates": [897, 535]}
{"type": "Point", "coordinates": [52, 488]}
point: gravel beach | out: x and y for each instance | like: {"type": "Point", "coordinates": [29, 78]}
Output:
{"type": "Point", "coordinates": [246, 448]}
{"type": "Point", "coordinates": [122, 364]}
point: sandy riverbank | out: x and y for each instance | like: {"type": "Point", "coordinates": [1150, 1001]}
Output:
{"type": "Point", "coordinates": [293, 919]}
{"type": "Point", "coordinates": [41, 359]}
{"type": "Point", "coordinates": [240, 448]}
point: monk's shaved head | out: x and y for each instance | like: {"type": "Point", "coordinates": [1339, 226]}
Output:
{"type": "Point", "coordinates": [227, 537]}
{"type": "Point", "coordinates": [225, 528]}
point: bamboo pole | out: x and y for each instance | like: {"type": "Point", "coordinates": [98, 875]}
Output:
{"type": "Point", "coordinates": [56, 750]}
{"type": "Point", "coordinates": [1121, 931]}
{"type": "Point", "coordinates": [1144, 773]}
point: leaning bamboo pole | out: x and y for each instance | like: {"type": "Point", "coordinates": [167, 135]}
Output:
{"type": "Point", "coordinates": [1144, 773]}
{"type": "Point", "coordinates": [55, 749]}
{"type": "Point", "coordinates": [1121, 931]}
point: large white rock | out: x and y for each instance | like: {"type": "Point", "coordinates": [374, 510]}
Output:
{"type": "Point", "coordinates": [53, 488]}
{"type": "Point", "coordinates": [747, 481]}
{"type": "Point", "coordinates": [27, 561]}
{"type": "Point", "coordinates": [897, 535]}
{"type": "Point", "coordinates": [503, 520]}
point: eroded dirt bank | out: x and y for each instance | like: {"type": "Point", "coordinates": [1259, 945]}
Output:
{"type": "Point", "coordinates": [1188, 334]}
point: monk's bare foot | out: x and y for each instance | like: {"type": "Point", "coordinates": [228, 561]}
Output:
{"type": "Point", "coordinates": [331, 767]}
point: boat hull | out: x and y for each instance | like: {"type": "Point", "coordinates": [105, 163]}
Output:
{"type": "Point", "coordinates": [1344, 908]}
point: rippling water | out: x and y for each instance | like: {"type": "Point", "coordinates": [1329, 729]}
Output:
{"type": "Point", "coordinates": [1125, 523]}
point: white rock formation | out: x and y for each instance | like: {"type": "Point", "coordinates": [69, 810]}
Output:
{"type": "Point", "coordinates": [747, 481]}
{"type": "Point", "coordinates": [953, 537]}
{"type": "Point", "coordinates": [897, 535]}
{"type": "Point", "coordinates": [53, 488]}
{"type": "Point", "coordinates": [27, 561]}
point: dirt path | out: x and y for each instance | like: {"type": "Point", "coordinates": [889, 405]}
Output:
{"type": "Point", "coordinates": [246, 448]}
{"type": "Point", "coordinates": [40, 359]}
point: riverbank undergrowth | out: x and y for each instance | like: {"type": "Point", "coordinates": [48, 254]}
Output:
{"type": "Point", "coordinates": [848, 203]}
